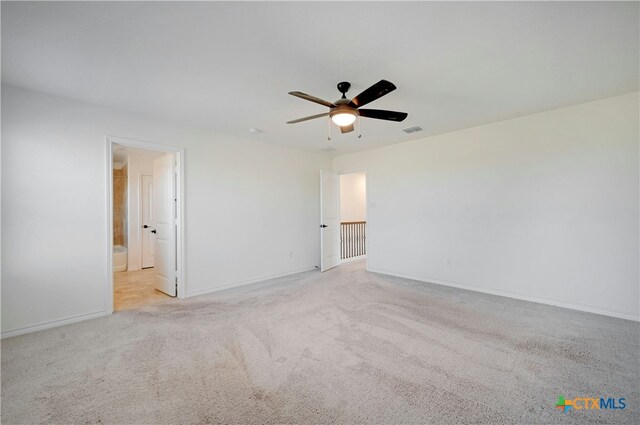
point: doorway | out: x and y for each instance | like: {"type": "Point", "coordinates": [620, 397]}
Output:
{"type": "Point", "coordinates": [353, 216]}
{"type": "Point", "coordinates": [343, 209]}
{"type": "Point", "coordinates": [144, 225]}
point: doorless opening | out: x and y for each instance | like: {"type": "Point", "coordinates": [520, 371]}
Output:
{"type": "Point", "coordinates": [353, 216]}
{"type": "Point", "coordinates": [145, 222]}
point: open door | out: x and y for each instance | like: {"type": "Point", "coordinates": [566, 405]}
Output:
{"type": "Point", "coordinates": [330, 223]}
{"type": "Point", "coordinates": [148, 220]}
{"type": "Point", "coordinates": [164, 188]}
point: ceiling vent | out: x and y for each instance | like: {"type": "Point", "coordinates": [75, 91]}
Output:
{"type": "Point", "coordinates": [327, 150]}
{"type": "Point", "coordinates": [413, 129]}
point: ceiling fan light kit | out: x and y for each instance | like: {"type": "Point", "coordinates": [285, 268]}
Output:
{"type": "Point", "coordinates": [342, 118]}
{"type": "Point", "coordinates": [344, 112]}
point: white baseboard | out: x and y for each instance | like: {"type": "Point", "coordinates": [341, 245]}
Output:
{"type": "Point", "coordinates": [87, 316]}
{"type": "Point", "coordinates": [247, 282]}
{"type": "Point", "coordinates": [53, 324]}
{"type": "Point", "coordinates": [514, 295]}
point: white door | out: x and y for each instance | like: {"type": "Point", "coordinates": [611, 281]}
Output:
{"type": "Point", "coordinates": [330, 223]}
{"type": "Point", "coordinates": [164, 188]}
{"type": "Point", "coordinates": [148, 221]}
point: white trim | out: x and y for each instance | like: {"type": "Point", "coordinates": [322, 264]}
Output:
{"type": "Point", "coordinates": [108, 308]}
{"type": "Point", "coordinates": [180, 188]}
{"type": "Point", "coordinates": [181, 252]}
{"type": "Point", "coordinates": [150, 146]}
{"type": "Point", "coordinates": [248, 282]}
{"type": "Point", "coordinates": [53, 324]}
{"type": "Point", "coordinates": [508, 294]}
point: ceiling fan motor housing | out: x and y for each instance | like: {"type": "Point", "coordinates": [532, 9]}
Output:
{"type": "Point", "coordinates": [343, 109]}
{"type": "Point", "coordinates": [342, 106]}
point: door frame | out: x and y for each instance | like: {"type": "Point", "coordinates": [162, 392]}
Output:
{"type": "Point", "coordinates": [366, 211]}
{"type": "Point", "coordinates": [140, 214]}
{"type": "Point", "coordinates": [180, 191]}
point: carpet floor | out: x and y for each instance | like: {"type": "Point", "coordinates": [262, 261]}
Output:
{"type": "Point", "coordinates": [345, 346]}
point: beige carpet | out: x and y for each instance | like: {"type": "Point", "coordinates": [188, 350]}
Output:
{"type": "Point", "coordinates": [345, 346]}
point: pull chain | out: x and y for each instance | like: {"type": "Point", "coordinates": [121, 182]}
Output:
{"type": "Point", "coordinates": [359, 127]}
{"type": "Point", "coordinates": [329, 129]}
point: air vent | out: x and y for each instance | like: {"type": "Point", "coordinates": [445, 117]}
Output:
{"type": "Point", "coordinates": [413, 129]}
{"type": "Point", "coordinates": [327, 150]}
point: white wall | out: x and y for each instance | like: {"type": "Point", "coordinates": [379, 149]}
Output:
{"type": "Point", "coordinates": [353, 197]}
{"type": "Point", "coordinates": [248, 204]}
{"type": "Point", "coordinates": [543, 207]}
{"type": "Point", "coordinates": [138, 165]}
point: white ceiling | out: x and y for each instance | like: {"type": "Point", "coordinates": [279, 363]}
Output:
{"type": "Point", "coordinates": [228, 66]}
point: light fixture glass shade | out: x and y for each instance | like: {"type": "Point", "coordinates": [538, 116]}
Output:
{"type": "Point", "coordinates": [343, 119]}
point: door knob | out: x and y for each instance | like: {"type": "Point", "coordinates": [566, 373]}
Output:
{"type": "Point", "coordinates": [153, 231]}
{"type": "Point", "coordinates": [145, 227]}
{"type": "Point", "coordinates": [323, 226]}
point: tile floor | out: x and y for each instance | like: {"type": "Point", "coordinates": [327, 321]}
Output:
{"type": "Point", "coordinates": [134, 289]}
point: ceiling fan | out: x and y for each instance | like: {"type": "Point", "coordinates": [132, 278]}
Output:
{"type": "Point", "coordinates": [343, 112]}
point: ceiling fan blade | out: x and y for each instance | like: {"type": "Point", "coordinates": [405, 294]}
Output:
{"type": "Point", "coordinates": [346, 128]}
{"type": "Point", "coordinates": [374, 92]}
{"type": "Point", "coordinates": [312, 98]}
{"type": "Point", "coordinates": [381, 114]}
{"type": "Point", "coordinates": [308, 118]}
